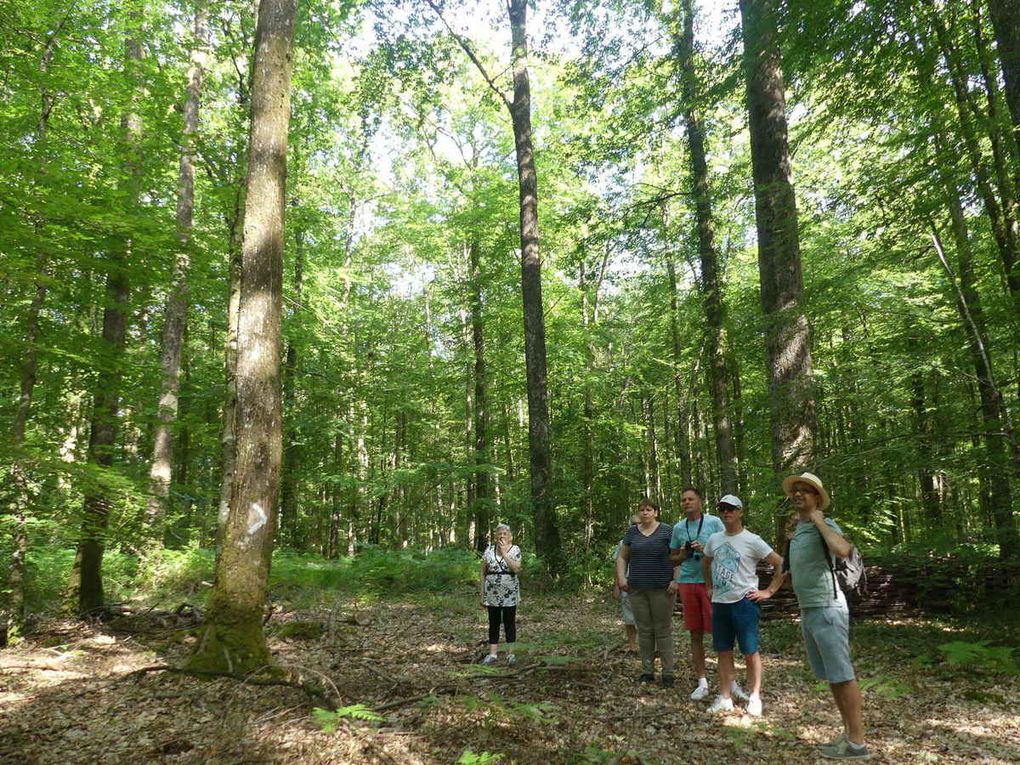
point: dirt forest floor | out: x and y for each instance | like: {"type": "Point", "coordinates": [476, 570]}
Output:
{"type": "Point", "coordinates": [73, 694]}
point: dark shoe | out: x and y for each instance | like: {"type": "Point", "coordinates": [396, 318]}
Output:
{"type": "Point", "coordinates": [666, 681]}
{"type": "Point", "coordinates": [646, 677]}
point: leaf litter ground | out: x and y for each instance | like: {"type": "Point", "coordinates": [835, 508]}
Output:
{"type": "Point", "coordinates": [406, 674]}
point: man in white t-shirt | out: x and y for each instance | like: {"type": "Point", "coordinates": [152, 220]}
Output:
{"type": "Point", "coordinates": [730, 565]}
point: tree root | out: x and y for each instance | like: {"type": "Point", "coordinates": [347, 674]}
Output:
{"type": "Point", "coordinates": [314, 692]}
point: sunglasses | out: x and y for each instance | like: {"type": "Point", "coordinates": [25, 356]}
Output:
{"type": "Point", "coordinates": [803, 490]}
{"type": "Point", "coordinates": [727, 508]}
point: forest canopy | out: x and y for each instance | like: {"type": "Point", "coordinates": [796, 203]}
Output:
{"type": "Point", "coordinates": [529, 263]}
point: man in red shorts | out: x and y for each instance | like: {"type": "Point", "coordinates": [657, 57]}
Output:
{"type": "Point", "coordinates": [687, 547]}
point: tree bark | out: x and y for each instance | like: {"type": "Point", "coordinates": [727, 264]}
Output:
{"type": "Point", "coordinates": [289, 530]}
{"type": "Point", "coordinates": [926, 452]}
{"type": "Point", "coordinates": [87, 578]}
{"type": "Point", "coordinates": [232, 639]}
{"type": "Point", "coordinates": [547, 537]}
{"type": "Point", "coordinates": [175, 312]}
{"type": "Point", "coordinates": [480, 425]}
{"type": "Point", "coordinates": [994, 472]}
{"type": "Point", "coordinates": [999, 203]}
{"type": "Point", "coordinates": [711, 281]}
{"type": "Point", "coordinates": [683, 418]}
{"type": "Point", "coordinates": [228, 437]}
{"type": "Point", "coordinates": [1006, 23]}
{"type": "Point", "coordinates": [787, 331]}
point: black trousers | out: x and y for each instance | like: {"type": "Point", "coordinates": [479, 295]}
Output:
{"type": "Point", "coordinates": [507, 616]}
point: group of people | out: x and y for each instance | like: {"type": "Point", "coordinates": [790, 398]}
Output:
{"type": "Point", "coordinates": [711, 562]}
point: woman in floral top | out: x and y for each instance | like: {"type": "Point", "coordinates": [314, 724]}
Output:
{"type": "Point", "coordinates": [501, 591]}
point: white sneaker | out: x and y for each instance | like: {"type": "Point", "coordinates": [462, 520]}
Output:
{"type": "Point", "coordinates": [511, 659]}
{"type": "Point", "coordinates": [699, 693]}
{"type": "Point", "coordinates": [490, 659]}
{"type": "Point", "coordinates": [754, 706]}
{"type": "Point", "coordinates": [737, 692]}
{"type": "Point", "coordinates": [721, 704]}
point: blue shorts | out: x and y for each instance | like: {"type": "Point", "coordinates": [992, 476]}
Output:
{"type": "Point", "coordinates": [735, 622]}
{"type": "Point", "coordinates": [826, 631]}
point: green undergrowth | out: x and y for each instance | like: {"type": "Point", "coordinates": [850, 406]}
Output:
{"type": "Point", "coordinates": [169, 577]}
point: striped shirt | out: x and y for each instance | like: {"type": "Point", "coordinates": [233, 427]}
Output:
{"type": "Point", "coordinates": [650, 567]}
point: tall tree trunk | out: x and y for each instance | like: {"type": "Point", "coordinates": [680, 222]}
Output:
{"type": "Point", "coordinates": [289, 529]}
{"type": "Point", "coordinates": [925, 449]}
{"type": "Point", "coordinates": [999, 203]}
{"type": "Point", "coordinates": [787, 331]}
{"type": "Point", "coordinates": [654, 480]}
{"type": "Point", "coordinates": [711, 282]}
{"type": "Point", "coordinates": [235, 222]}
{"type": "Point", "coordinates": [232, 639]}
{"type": "Point", "coordinates": [547, 536]}
{"type": "Point", "coordinates": [88, 571]}
{"type": "Point", "coordinates": [480, 426]}
{"type": "Point", "coordinates": [1006, 22]}
{"type": "Point", "coordinates": [16, 496]}
{"type": "Point", "coordinates": [995, 470]}
{"type": "Point", "coordinates": [228, 436]}
{"type": "Point", "coordinates": [175, 312]}
{"type": "Point", "coordinates": [683, 417]}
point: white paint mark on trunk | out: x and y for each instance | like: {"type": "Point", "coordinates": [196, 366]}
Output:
{"type": "Point", "coordinates": [256, 518]}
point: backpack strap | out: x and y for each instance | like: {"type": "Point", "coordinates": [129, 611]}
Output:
{"type": "Point", "coordinates": [832, 568]}
{"type": "Point", "coordinates": [786, 556]}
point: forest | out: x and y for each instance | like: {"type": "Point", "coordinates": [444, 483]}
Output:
{"type": "Point", "coordinates": [301, 299]}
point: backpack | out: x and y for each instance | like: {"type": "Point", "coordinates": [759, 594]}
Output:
{"type": "Point", "coordinates": [847, 572]}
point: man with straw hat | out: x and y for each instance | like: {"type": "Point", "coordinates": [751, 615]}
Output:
{"type": "Point", "coordinates": [824, 616]}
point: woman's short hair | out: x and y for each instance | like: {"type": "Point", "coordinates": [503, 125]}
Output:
{"type": "Point", "coordinates": [502, 527]}
{"type": "Point", "coordinates": [646, 502]}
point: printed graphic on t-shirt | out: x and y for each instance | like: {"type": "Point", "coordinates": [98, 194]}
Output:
{"type": "Point", "coordinates": [725, 569]}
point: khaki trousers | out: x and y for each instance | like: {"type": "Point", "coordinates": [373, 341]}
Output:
{"type": "Point", "coordinates": [653, 616]}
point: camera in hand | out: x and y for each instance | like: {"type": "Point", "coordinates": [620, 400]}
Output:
{"type": "Point", "coordinates": [694, 554]}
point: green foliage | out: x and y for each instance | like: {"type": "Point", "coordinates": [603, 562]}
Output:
{"type": "Point", "coordinates": [886, 687]}
{"type": "Point", "coordinates": [483, 758]}
{"type": "Point", "coordinates": [592, 754]}
{"type": "Point", "coordinates": [511, 711]}
{"type": "Point", "coordinates": [327, 719]}
{"type": "Point", "coordinates": [379, 381]}
{"type": "Point", "coordinates": [982, 656]}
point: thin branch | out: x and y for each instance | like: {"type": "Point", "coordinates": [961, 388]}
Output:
{"type": "Point", "coordinates": [462, 41]}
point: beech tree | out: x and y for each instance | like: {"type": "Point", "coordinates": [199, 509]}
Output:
{"type": "Point", "coordinates": [787, 330]}
{"type": "Point", "coordinates": [175, 312]}
{"type": "Point", "coordinates": [232, 639]}
{"type": "Point", "coordinates": [87, 579]}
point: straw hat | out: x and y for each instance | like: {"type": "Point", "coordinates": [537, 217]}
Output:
{"type": "Point", "coordinates": [810, 479]}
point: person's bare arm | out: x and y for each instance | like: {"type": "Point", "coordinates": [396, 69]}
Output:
{"type": "Point", "coordinates": [621, 568]}
{"type": "Point", "coordinates": [836, 542]}
{"type": "Point", "coordinates": [776, 560]}
{"type": "Point", "coordinates": [513, 565]}
{"type": "Point", "coordinates": [706, 570]}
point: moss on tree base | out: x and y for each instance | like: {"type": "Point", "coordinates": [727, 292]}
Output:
{"type": "Point", "coordinates": [236, 648]}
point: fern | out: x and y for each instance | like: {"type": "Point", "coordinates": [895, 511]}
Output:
{"type": "Point", "coordinates": [327, 720]}
{"type": "Point", "coordinates": [485, 758]}
{"type": "Point", "coordinates": [980, 656]}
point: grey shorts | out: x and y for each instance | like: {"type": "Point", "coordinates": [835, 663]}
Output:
{"type": "Point", "coordinates": [626, 610]}
{"type": "Point", "coordinates": [826, 631]}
